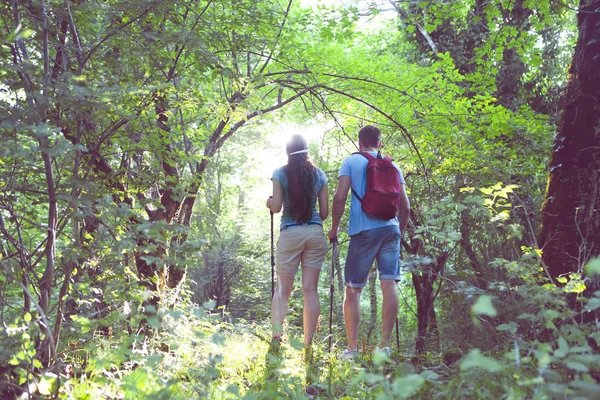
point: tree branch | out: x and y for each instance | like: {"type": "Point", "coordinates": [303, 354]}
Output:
{"type": "Point", "coordinates": [118, 29]}
{"type": "Point", "coordinates": [278, 36]}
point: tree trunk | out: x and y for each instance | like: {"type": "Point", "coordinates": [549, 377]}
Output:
{"type": "Point", "coordinates": [433, 333]}
{"type": "Point", "coordinates": [424, 293]}
{"type": "Point", "coordinates": [513, 67]}
{"type": "Point", "coordinates": [465, 242]}
{"type": "Point", "coordinates": [570, 233]}
{"type": "Point", "coordinates": [423, 283]}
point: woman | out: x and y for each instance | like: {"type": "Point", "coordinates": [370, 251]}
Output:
{"type": "Point", "coordinates": [296, 187]}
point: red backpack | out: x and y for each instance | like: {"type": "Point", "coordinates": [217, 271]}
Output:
{"type": "Point", "coordinates": [382, 195]}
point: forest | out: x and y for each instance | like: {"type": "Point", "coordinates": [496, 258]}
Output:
{"type": "Point", "coordinates": [137, 144]}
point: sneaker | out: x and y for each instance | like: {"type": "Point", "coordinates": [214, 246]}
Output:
{"type": "Point", "coordinates": [349, 354]}
{"type": "Point", "coordinates": [386, 350]}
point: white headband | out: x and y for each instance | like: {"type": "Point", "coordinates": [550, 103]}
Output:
{"type": "Point", "coordinates": [299, 152]}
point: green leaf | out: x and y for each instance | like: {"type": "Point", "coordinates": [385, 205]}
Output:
{"type": "Point", "coordinates": [593, 266]}
{"type": "Point", "coordinates": [379, 357]}
{"type": "Point", "coordinates": [557, 388]}
{"type": "Point", "coordinates": [430, 376]}
{"type": "Point", "coordinates": [577, 366]}
{"type": "Point", "coordinates": [404, 369]}
{"type": "Point", "coordinates": [592, 304]}
{"type": "Point", "coordinates": [135, 383]}
{"type": "Point", "coordinates": [429, 28]}
{"type": "Point", "coordinates": [27, 33]}
{"type": "Point", "coordinates": [37, 363]}
{"type": "Point", "coordinates": [234, 390]}
{"type": "Point", "coordinates": [209, 305]}
{"type": "Point", "coordinates": [27, 317]}
{"type": "Point", "coordinates": [550, 315]}
{"type": "Point", "coordinates": [455, 236]}
{"type": "Point", "coordinates": [592, 388]}
{"type": "Point", "coordinates": [484, 306]}
{"type": "Point", "coordinates": [153, 322]}
{"type": "Point", "coordinates": [408, 386]}
{"type": "Point", "coordinates": [563, 348]}
{"type": "Point", "coordinates": [510, 327]}
{"type": "Point", "coordinates": [86, 324]}
{"type": "Point", "coordinates": [47, 385]}
{"type": "Point", "coordinates": [476, 359]}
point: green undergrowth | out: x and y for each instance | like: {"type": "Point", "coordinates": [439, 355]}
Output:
{"type": "Point", "coordinates": [230, 361]}
{"type": "Point", "coordinates": [200, 358]}
{"type": "Point", "coordinates": [541, 349]}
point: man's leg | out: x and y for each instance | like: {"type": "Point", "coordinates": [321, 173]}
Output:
{"type": "Point", "coordinates": [389, 309]}
{"type": "Point", "coordinates": [389, 275]}
{"type": "Point", "coordinates": [352, 315]}
{"type": "Point", "coordinates": [361, 253]}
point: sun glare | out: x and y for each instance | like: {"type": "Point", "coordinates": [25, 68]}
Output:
{"type": "Point", "coordinates": [311, 132]}
{"type": "Point", "coordinates": [273, 155]}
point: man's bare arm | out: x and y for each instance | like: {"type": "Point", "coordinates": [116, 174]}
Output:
{"type": "Point", "coordinates": [339, 204]}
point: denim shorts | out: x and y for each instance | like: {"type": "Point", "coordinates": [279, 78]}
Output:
{"type": "Point", "coordinates": [381, 244]}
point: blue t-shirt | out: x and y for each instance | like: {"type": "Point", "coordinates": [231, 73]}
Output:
{"type": "Point", "coordinates": [320, 181]}
{"type": "Point", "coordinates": [355, 166]}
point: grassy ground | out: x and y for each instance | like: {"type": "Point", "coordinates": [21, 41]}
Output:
{"type": "Point", "coordinates": [195, 358]}
{"type": "Point", "coordinates": [191, 355]}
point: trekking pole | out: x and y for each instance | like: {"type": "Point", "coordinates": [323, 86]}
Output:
{"type": "Point", "coordinates": [333, 257]}
{"type": "Point", "coordinates": [397, 335]}
{"type": "Point", "coordinates": [272, 261]}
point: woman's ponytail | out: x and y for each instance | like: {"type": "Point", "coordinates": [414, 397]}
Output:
{"type": "Point", "coordinates": [300, 173]}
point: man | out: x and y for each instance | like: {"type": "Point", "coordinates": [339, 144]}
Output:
{"type": "Point", "coordinates": [370, 238]}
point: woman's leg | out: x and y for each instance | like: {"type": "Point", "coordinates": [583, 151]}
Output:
{"type": "Point", "coordinates": [279, 303]}
{"type": "Point", "coordinates": [310, 280]}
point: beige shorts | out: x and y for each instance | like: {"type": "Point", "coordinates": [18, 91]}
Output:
{"type": "Point", "coordinates": [302, 243]}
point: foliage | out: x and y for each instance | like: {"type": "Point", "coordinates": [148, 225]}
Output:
{"type": "Point", "coordinates": [137, 142]}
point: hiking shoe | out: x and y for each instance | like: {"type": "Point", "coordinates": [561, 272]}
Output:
{"type": "Point", "coordinates": [385, 350]}
{"type": "Point", "coordinates": [349, 354]}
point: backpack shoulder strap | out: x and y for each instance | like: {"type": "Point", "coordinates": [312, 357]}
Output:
{"type": "Point", "coordinates": [369, 157]}
{"type": "Point", "coordinates": [356, 194]}
{"type": "Point", "coordinates": [365, 154]}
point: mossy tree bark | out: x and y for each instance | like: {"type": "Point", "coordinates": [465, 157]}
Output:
{"type": "Point", "coordinates": [570, 233]}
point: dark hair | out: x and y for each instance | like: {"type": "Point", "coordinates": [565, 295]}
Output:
{"type": "Point", "coordinates": [300, 172]}
{"type": "Point", "coordinates": [369, 136]}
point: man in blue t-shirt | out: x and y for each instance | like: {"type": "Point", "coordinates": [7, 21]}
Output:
{"type": "Point", "coordinates": [370, 239]}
